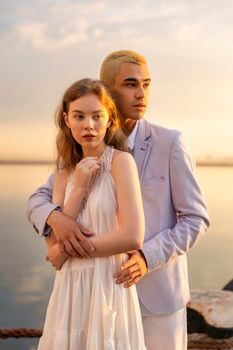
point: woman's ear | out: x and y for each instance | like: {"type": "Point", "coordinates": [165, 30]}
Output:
{"type": "Point", "coordinates": [109, 123]}
{"type": "Point", "coordinates": [65, 116]}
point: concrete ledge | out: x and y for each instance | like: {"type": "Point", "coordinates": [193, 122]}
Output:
{"type": "Point", "coordinates": [211, 312]}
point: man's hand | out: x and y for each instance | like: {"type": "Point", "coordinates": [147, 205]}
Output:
{"type": "Point", "coordinates": [71, 239]}
{"type": "Point", "coordinates": [55, 257]}
{"type": "Point", "coordinates": [132, 271]}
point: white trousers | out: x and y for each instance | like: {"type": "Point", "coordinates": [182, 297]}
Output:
{"type": "Point", "coordinates": [166, 332]}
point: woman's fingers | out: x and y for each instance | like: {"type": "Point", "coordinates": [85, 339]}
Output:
{"type": "Point", "coordinates": [89, 168]}
{"type": "Point", "coordinates": [87, 162]}
{"type": "Point", "coordinates": [85, 171]}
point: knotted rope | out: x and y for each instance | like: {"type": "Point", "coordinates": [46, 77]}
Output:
{"type": "Point", "coordinates": [20, 333]}
{"type": "Point", "coordinates": [195, 341]}
{"type": "Point", "coordinates": [200, 341]}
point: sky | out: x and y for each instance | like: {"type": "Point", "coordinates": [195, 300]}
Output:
{"type": "Point", "coordinates": [46, 45]}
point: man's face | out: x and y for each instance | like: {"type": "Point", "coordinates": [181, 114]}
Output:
{"type": "Point", "coordinates": [131, 90]}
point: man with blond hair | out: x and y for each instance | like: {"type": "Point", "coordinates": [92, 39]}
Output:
{"type": "Point", "coordinates": [175, 212]}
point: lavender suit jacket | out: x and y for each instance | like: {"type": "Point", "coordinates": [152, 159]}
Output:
{"type": "Point", "coordinates": [175, 215]}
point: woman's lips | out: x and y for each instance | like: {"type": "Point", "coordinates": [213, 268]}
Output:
{"type": "Point", "coordinates": [89, 137]}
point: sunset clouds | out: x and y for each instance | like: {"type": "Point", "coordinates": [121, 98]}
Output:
{"type": "Point", "coordinates": [46, 45]}
{"type": "Point", "coordinates": [55, 25]}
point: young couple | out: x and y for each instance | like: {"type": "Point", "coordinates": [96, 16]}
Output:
{"type": "Point", "coordinates": [91, 214]}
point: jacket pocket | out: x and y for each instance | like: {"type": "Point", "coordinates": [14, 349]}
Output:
{"type": "Point", "coordinates": [153, 181]}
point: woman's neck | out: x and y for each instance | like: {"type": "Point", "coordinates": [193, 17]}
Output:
{"type": "Point", "coordinates": [94, 151]}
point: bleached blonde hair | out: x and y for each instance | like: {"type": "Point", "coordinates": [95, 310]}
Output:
{"type": "Point", "coordinates": [111, 65]}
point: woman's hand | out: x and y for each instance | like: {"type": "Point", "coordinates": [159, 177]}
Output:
{"type": "Point", "coordinates": [55, 257]}
{"type": "Point", "coordinates": [85, 171]}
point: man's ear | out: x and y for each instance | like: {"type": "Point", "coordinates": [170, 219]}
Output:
{"type": "Point", "coordinates": [65, 116]}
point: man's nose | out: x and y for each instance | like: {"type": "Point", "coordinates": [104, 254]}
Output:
{"type": "Point", "coordinates": [140, 93]}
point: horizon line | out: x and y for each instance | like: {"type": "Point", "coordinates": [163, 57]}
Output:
{"type": "Point", "coordinates": [52, 162]}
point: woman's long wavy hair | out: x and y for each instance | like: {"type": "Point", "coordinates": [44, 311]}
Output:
{"type": "Point", "coordinates": [69, 151]}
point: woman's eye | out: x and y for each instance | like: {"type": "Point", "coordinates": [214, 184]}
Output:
{"type": "Point", "coordinates": [79, 116]}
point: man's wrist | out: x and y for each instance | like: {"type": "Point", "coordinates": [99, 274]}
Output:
{"type": "Point", "coordinates": [52, 217]}
{"type": "Point", "coordinates": [143, 256]}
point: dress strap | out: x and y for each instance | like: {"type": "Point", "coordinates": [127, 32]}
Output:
{"type": "Point", "coordinates": [106, 159]}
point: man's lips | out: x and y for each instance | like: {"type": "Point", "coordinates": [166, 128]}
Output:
{"type": "Point", "coordinates": [140, 105]}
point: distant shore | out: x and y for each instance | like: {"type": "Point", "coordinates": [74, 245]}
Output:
{"type": "Point", "coordinates": [200, 163]}
{"type": "Point", "coordinates": [26, 162]}
{"type": "Point", "coordinates": [214, 163]}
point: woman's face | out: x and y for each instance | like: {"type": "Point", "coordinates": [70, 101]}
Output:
{"type": "Point", "coordinates": [88, 120]}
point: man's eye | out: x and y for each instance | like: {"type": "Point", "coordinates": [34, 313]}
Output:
{"type": "Point", "coordinates": [146, 85]}
{"type": "Point", "coordinates": [131, 84]}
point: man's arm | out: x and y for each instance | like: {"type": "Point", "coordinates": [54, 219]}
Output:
{"type": "Point", "coordinates": [40, 206]}
{"type": "Point", "coordinates": [189, 204]}
{"type": "Point", "coordinates": [43, 216]}
{"type": "Point", "coordinates": [193, 220]}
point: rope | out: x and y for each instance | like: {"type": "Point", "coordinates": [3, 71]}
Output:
{"type": "Point", "coordinates": [213, 346]}
{"type": "Point", "coordinates": [195, 341]}
{"type": "Point", "coordinates": [20, 333]}
{"type": "Point", "coordinates": [201, 341]}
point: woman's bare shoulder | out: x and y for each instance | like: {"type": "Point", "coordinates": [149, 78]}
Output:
{"type": "Point", "coordinates": [121, 161]}
{"type": "Point", "coordinates": [121, 156]}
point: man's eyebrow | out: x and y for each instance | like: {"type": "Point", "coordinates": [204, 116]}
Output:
{"type": "Point", "coordinates": [130, 79]}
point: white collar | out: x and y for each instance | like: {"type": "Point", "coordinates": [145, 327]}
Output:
{"type": "Point", "coordinates": [132, 136]}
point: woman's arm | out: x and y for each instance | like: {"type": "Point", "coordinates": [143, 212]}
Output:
{"type": "Point", "coordinates": [71, 208]}
{"type": "Point", "coordinates": [58, 195]}
{"type": "Point", "coordinates": [73, 204]}
{"type": "Point", "coordinates": [83, 173]}
{"type": "Point", "coordinates": [54, 255]}
{"type": "Point", "coordinates": [130, 234]}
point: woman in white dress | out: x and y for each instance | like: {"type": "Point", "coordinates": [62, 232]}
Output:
{"type": "Point", "coordinates": [97, 185]}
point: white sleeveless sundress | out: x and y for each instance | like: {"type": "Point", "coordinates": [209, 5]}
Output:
{"type": "Point", "coordinates": [87, 309]}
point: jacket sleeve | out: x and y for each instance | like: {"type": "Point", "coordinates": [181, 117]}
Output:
{"type": "Point", "coordinates": [39, 207]}
{"type": "Point", "coordinates": [190, 208]}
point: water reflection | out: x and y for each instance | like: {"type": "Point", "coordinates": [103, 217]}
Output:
{"type": "Point", "coordinates": [211, 261]}
{"type": "Point", "coordinates": [26, 278]}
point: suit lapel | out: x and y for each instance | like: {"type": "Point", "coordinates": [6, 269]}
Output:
{"type": "Point", "coordinates": [142, 147]}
